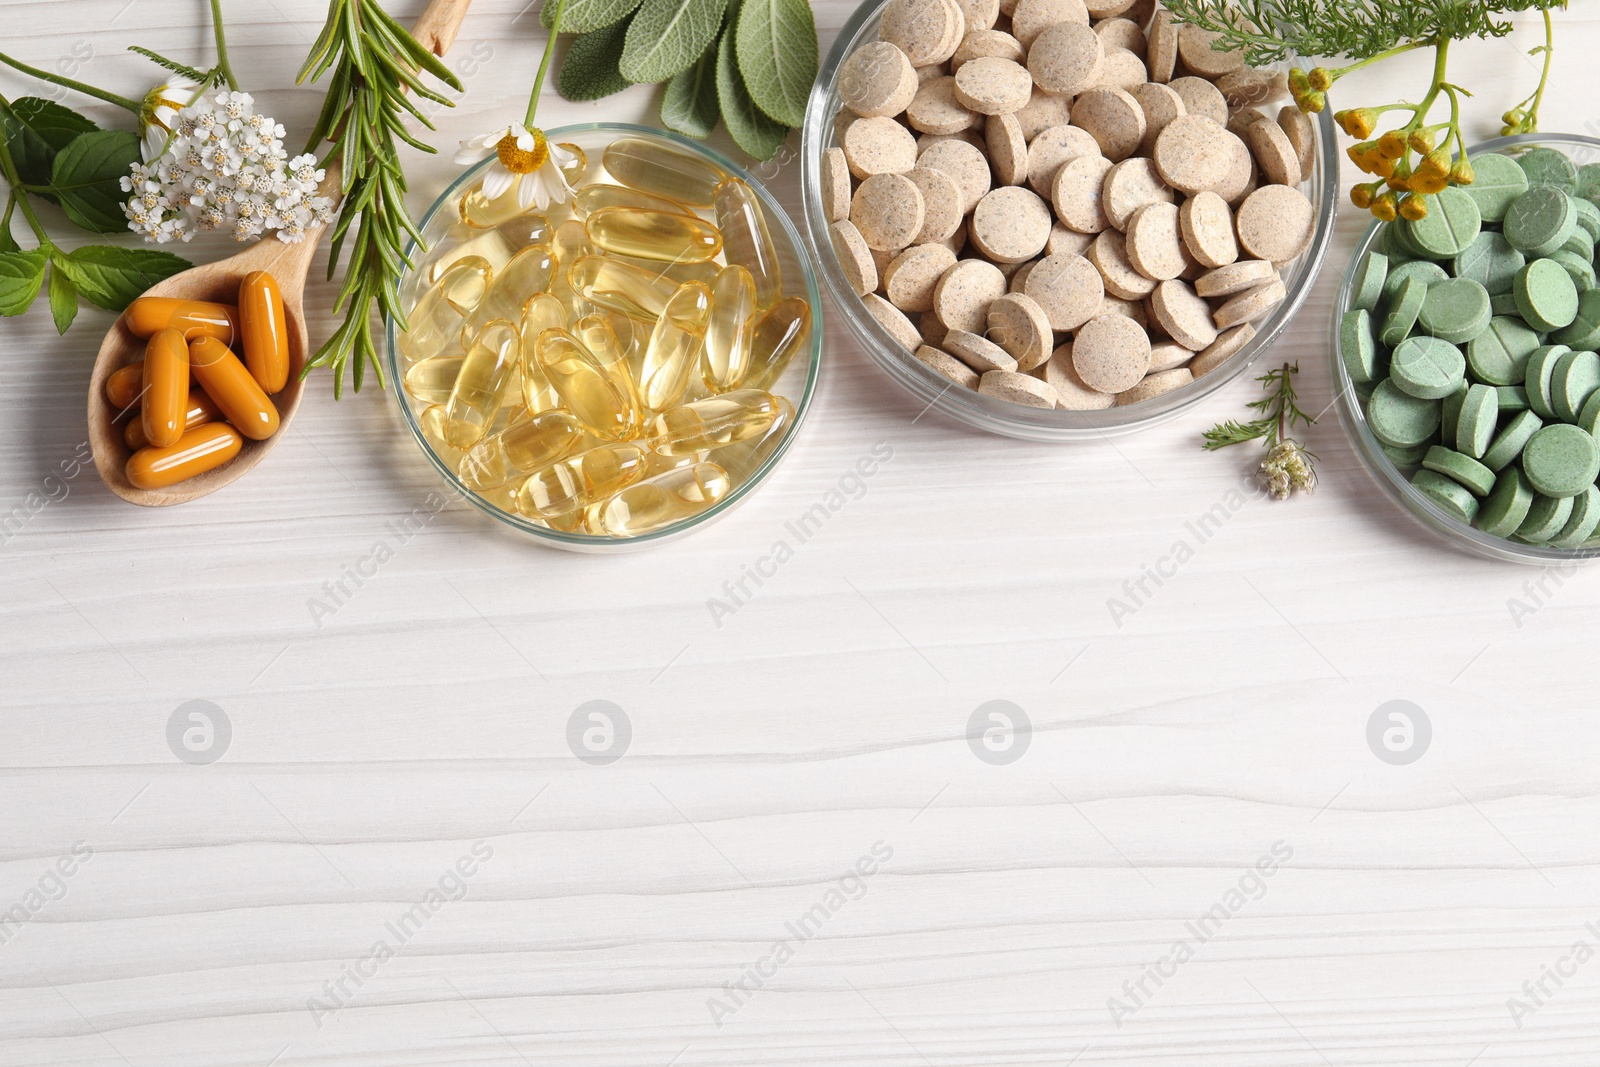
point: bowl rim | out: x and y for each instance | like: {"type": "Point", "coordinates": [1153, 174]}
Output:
{"type": "Point", "coordinates": [594, 542]}
{"type": "Point", "coordinates": [985, 413]}
{"type": "Point", "coordinates": [1353, 417]}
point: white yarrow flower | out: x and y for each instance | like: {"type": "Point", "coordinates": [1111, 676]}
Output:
{"type": "Point", "coordinates": [524, 159]}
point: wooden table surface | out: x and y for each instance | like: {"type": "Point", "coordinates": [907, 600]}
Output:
{"type": "Point", "coordinates": [396, 857]}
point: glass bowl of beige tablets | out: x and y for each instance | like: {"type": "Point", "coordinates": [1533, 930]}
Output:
{"type": "Point", "coordinates": [1060, 219]}
{"type": "Point", "coordinates": [618, 370]}
{"type": "Point", "coordinates": [1464, 354]}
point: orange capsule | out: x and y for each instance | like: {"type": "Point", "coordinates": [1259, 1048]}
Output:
{"type": "Point", "coordinates": [202, 409]}
{"type": "Point", "coordinates": [166, 388]}
{"type": "Point", "coordinates": [125, 386]}
{"type": "Point", "coordinates": [265, 330]}
{"type": "Point", "coordinates": [192, 318]}
{"type": "Point", "coordinates": [238, 396]}
{"type": "Point", "coordinates": [203, 448]}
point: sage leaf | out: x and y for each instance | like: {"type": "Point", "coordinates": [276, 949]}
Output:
{"type": "Point", "coordinates": [85, 177]}
{"type": "Point", "coordinates": [110, 277]}
{"type": "Point", "coordinates": [21, 275]}
{"type": "Point", "coordinates": [35, 130]}
{"type": "Point", "coordinates": [63, 297]}
{"type": "Point", "coordinates": [751, 127]}
{"type": "Point", "coordinates": [667, 36]}
{"type": "Point", "coordinates": [590, 70]}
{"type": "Point", "coordinates": [582, 16]}
{"type": "Point", "coordinates": [776, 46]}
{"type": "Point", "coordinates": [689, 104]}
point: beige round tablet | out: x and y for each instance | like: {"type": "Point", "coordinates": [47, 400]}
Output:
{"type": "Point", "coordinates": [835, 185]}
{"type": "Point", "coordinates": [1249, 87]}
{"type": "Point", "coordinates": [935, 109]}
{"type": "Point", "coordinates": [1114, 118]}
{"type": "Point", "coordinates": [1244, 178]}
{"type": "Point", "coordinates": [879, 146]}
{"type": "Point", "coordinates": [1276, 222]}
{"type": "Point", "coordinates": [1011, 225]}
{"type": "Point", "coordinates": [1129, 186]}
{"type": "Point", "coordinates": [1053, 147]}
{"type": "Point", "coordinates": [1044, 111]}
{"type": "Point", "coordinates": [963, 295]}
{"type": "Point", "coordinates": [1195, 48]}
{"type": "Point", "coordinates": [1165, 355]}
{"type": "Point", "coordinates": [1122, 33]}
{"type": "Point", "coordinates": [1234, 278]}
{"type": "Point", "coordinates": [855, 258]}
{"type": "Point", "coordinates": [1109, 255]}
{"type": "Point", "coordinates": [957, 32]}
{"type": "Point", "coordinates": [1065, 242]}
{"type": "Point", "coordinates": [1200, 97]}
{"type": "Point", "coordinates": [978, 352]}
{"type": "Point", "coordinates": [1224, 348]}
{"type": "Point", "coordinates": [1128, 309]}
{"type": "Point", "coordinates": [947, 366]}
{"type": "Point", "coordinates": [1068, 287]}
{"type": "Point", "coordinates": [1017, 283]}
{"type": "Point", "coordinates": [1154, 242]}
{"type": "Point", "coordinates": [962, 164]}
{"type": "Point", "coordinates": [1249, 305]}
{"type": "Point", "coordinates": [1076, 193]}
{"type": "Point", "coordinates": [930, 72]}
{"type": "Point", "coordinates": [877, 80]}
{"type": "Point", "coordinates": [1018, 324]}
{"type": "Point", "coordinates": [979, 15]}
{"type": "Point", "coordinates": [1015, 388]}
{"type": "Point", "coordinates": [1207, 227]}
{"type": "Point", "coordinates": [1120, 69]}
{"type": "Point", "coordinates": [993, 86]}
{"type": "Point", "coordinates": [1111, 353]}
{"type": "Point", "coordinates": [1162, 55]}
{"type": "Point", "coordinates": [1072, 393]}
{"type": "Point", "coordinates": [894, 321]}
{"type": "Point", "coordinates": [881, 258]}
{"type": "Point", "coordinates": [1241, 119]}
{"type": "Point", "coordinates": [941, 205]}
{"type": "Point", "coordinates": [1065, 58]}
{"type": "Point", "coordinates": [1184, 316]}
{"type": "Point", "coordinates": [1032, 17]}
{"type": "Point", "coordinates": [1008, 151]}
{"type": "Point", "coordinates": [910, 278]}
{"type": "Point", "coordinates": [1194, 153]}
{"type": "Point", "coordinates": [1275, 155]}
{"type": "Point", "coordinates": [979, 44]}
{"type": "Point", "coordinates": [919, 28]}
{"type": "Point", "coordinates": [887, 209]}
{"type": "Point", "coordinates": [933, 331]}
{"type": "Point", "coordinates": [1297, 124]}
{"type": "Point", "coordinates": [1154, 384]}
{"type": "Point", "coordinates": [973, 137]}
{"type": "Point", "coordinates": [1161, 105]}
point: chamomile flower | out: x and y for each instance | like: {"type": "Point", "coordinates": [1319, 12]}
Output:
{"type": "Point", "coordinates": [158, 113]}
{"type": "Point", "coordinates": [524, 160]}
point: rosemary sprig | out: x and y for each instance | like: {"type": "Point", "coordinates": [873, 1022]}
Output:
{"type": "Point", "coordinates": [374, 61]}
{"type": "Point", "coordinates": [1288, 465]}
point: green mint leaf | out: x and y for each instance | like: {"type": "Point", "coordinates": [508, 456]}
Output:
{"type": "Point", "coordinates": [110, 277]}
{"type": "Point", "coordinates": [751, 128]}
{"type": "Point", "coordinates": [582, 16]}
{"type": "Point", "coordinates": [85, 176]}
{"type": "Point", "coordinates": [35, 130]}
{"type": "Point", "coordinates": [667, 36]}
{"type": "Point", "coordinates": [63, 297]}
{"type": "Point", "coordinates": [776, 46]}
{"type": "Point", "coordinates": [689, 104]}
{"type": "Point", "coordinates": [590, 70]}
{"type": "Point", "coordinates": [21, 275]}
{"type": "Point", "coordinates": [8, 243]}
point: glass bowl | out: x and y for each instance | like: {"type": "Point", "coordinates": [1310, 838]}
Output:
{"type": "Point", "coordinates": [996, 416]}
{"type": "Point", "coordinates": [442, 228]}
{"type": "Point", "coordinates": [1396, 482]}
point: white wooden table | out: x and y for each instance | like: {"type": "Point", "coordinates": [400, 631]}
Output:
{"type": "Point", "coordinates": [398, 859]}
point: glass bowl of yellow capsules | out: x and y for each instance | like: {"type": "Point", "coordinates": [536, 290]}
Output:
{"type": "Point", "coordinates": [617, 370]}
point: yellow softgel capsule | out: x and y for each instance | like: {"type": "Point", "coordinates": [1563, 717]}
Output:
{"type": "Point", "coordinates": [598, 337]}
{"type": "Point", "coordinates": [658, 502]}
{"type": "Point", "coordinates": [746, 240]}
{"type": "Point", "coordinates": [569, 243]}
{"type": "Point", "coordinates": [654, 235]}
{"type": "Point", "coordinates": [597, 196]}
{"type": "Point", "coordinates": [600, 394]}
{"type": "Point", "coordinates": [433, 422]}
{"type": "Point", "coordinates": [433, 325]}
{"type": "Point", "coordinates": [482, 213]}
{"type": "Point", "coordinates": [578, 481]}
{"type": "Point", "coordinates": [531, 229]}
{"type": "Point", "coordinates": [619, 286]}
{"type": "Point", "coordinates": [678, 273]}
{"type": "Point", "coordinates": [529, 272]}
{"type": "Point", "coordinates": [487, 245]}
{"type": "Point", "coordinates": [430, 380]}
{"type": "Point", "coordinates": [776, 337]}
{"type": "Point", "coordinates": [713, 422]}
{"type": "Point", "coordinates": [541, 312]}
{"type": "Point", "coordinates": [520, 448]}
{"type": "Point", "coordinates": [485, 372]}
{"type": "Point", "coordinates": [743, 458]}
{"type": "Point", "coordinates": [727, 351]}
{"type": "Point", "coordinates": [575, 165]}
{"type": "Point", "coordinates": [664, 170]}
{"type": "Point", "coordinates": [673, 351]}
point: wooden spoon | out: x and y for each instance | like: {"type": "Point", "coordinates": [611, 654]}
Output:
{"type": "Point", "coordinates": [219, 282]}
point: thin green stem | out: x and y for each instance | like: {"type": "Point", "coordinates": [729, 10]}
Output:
{"type": "Point", "coordinates": [222, 45]}
{"type": "Point", "coordinates": [1397, 50]}
{"type": "Point", "coordinates": [544, 64]}
{"type": "Point", "coordinates": [8, 168]}
{"type": "Point", "coordinates": [70, 83]}
{"type": "Point", "coordinates": [1544, 76]}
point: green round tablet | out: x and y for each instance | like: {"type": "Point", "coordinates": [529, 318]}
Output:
{"type": "Point", "coordinates": [1358, 348]}
{"type": "Point", "coordinates": [1389, 243]}
{"type": "Point", "coordinates": [1588, 180]}
{"type": "Point", "coordinates": [1513, 398]}
{"type": "Point", "coordinates": [1505, 304]}
{"type": "Point", "coordinates": [1547, 515]}
{"type": "Point", "coordinates": [1578, 268]}
{"type": "Point", "coordinates": [1450, 414]}
{"type": "Point", "coordinates": [1400, 419]}
{"type": "Point", "coordinates": [1507, 504]}
{"type": "Point", "coordinates": [1540, 221]}
{"type": "Point", "coordinates": [1541, 366]}
{"type": "Point", "coordinates": [1549, 166]}
{"type": "Point", "coordinates": [1546, 295]}
{"type": "Point", "coordinates": [1584, 331]}
{"type": "Point", "coordinates": [1491, 262]}
{"type": "Point", "coordinates": [1404, 309]}
{"type": "Point", "coordinates": [1584, 519]}
{"type": "Point", "coordinates": [1509, 442]}
{"type": "Point", "coordinates": [1429, 272]}
{"type": "Point", "coordinates": [1404, 457]}
{"type": "Point", "coordinates": [1561, 460]}
{"type": "Point", "coordinates": [1428, 368]}
{"type": "Point", "coordinates": [1367, 285]}
{"type": "Point", "coordinates": [1588, 215]}
{"type": "Point", "coordinates": [1580, 243]}
{"type": "Point", "coordinates": [1497, 182]}
{"type": "Point", "coordinates": [1452, 223]}
{"type": "Point", "coordinates": [1480, 408]}
{"type": "Point", "coordinates": [1573, 381]}
{"type": "Point", "coordinates": [1499, 355]}
{"type": "Point", "coordinates": [1588, 419]}
{"type": "Point", "coordinates": [1455, 310]}
{"type": "Point", "coordinates": [1464, 469]}
{"type": "Point", "coordinates": [1446, 494]}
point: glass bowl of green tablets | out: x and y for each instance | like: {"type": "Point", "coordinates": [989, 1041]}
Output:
{"type": "Point", "coordinates": [617, 370]}
{"type": "Point", "coordinates": [1464, 352]}
{"type": "Point", "coordinates": [860, 138]}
